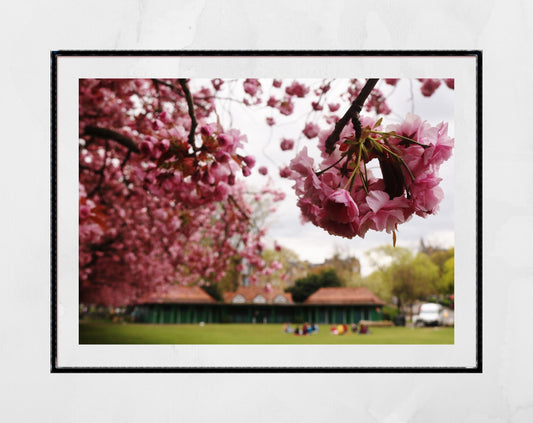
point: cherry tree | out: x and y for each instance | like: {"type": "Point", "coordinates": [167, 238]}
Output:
{"type": "Point", "coordinates": [163, 195]}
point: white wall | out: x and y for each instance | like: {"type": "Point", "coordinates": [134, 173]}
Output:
{"type": "Point", "coordinates": [500, 28]}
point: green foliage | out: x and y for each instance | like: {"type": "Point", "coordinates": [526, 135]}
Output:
{"type": "Point", "coordinates": [231, 279]}
{"type": "Point", "coordinates": [214, 291]}
{"type": "Point", "coordinates": [444, 259]}
{"type": "Point", "coordinates": [378, 284]}
{"type": "Point", "coordinates": [440, 257]}
{"type": "Point", "coordinates": [413, 279]}
{"type": "Point", "coordinates": [445, 301]}
{"type": "Point", "coordinates": [304, 287]}
{"type": "Point", "coordinates": [289, 261]}
{"type": "Point", "coordinates": [446, 282]}
{"type": "Point", "coordinates": [348, 267]}
{"type": "Point", "coordinates": [409, 277]}
{"type": "Point", "coordinates": [283, 256]}
{"type": "Point", "coordinates": [389, 313]}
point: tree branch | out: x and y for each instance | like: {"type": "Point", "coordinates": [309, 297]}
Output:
{"type": "Point", "coordinates": [100, 172]}
{"type": "Point", "coordinates": [351, 113]}
{"type": "Point", "coordinates": [234, 202]}
{"type": "Point", "coordinates": [190, 105]}
{"type": "Point", "coordinates": [181, 94]}
{"type": "Point", "coordinates": [95, 131]}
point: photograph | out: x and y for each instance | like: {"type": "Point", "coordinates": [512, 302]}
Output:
{"type": "Point", "coordinates": [221, 211]}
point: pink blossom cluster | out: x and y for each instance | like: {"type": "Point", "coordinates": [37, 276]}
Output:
{"type": "Point", "coordinates": [285, 105]}
{"type": "Point", "coordinates": [285, 172]}
{"type": "Point", "coordinates": [429, 86]}
{"type": "Point", "coordinates": [346, 199]}
{"type": "Point", "coordinates": [172, 212]}
{"type": "Point", "coordinates": [297, 89]}
{"type": "Point", "coordinates": [251, 86]}
{"type": "Point", "coordinates": [377, 102]}
{"type": "Point", "coordinates": [197, 177]}
{"type": "Point", "coordinates": [311, 130]}
{"type": "Point", "coordinates": [286, 144]}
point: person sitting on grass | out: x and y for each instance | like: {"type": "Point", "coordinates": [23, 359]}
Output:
{"type": "Point", "coordinates": [297, 330]}
{"type": "Point", "coordinates": [287, 328]}
{"type": "Point", "coordinates": [340, 329]}
{"type": "Point", "coordinates": [364, 330]}
{"type": "Point", "coordinates": [334, 330]}
{"type": "Point", "coordinates": [354, 327]}
{"type": "Point", "coordinates": [304, 329]}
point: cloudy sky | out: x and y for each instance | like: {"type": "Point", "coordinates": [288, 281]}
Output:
{"type": "Point", "coordinates": [312, 243]}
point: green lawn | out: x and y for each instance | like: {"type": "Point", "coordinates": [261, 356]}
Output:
{"type": "Point", "coordinates": [135, 333]}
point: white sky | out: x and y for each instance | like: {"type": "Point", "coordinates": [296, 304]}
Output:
{"type": "Point", "coordinates": [315, 244]}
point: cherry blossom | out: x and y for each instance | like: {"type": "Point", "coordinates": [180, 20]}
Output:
{"type": "Point", "coordinates": [297, 89]}
{"type": "Point", "coordinates": [287, 144]}
{"type": "Point", "coordinates": [162, 180]}
{"type": "Point", "coordinates": [345, 198]}
{"type": "Point", "coordinates": [311, 130]}
{"type": "Point", "coordinates": [429, 86]}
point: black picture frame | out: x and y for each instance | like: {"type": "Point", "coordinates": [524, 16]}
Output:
{"type": "Point", "coordinates": [57, 55]}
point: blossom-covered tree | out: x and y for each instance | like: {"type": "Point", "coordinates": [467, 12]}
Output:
{"type": "Point", "coordinates": [163, 196]}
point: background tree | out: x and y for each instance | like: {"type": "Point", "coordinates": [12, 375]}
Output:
{"type": "Point", "coordinates": [347, 267]}
{"type": "Point", "coordinates": [410, 277]}
{"type": "Point", "coordinates": [308, 285]}
{"type": "Point", "coordinates": [283, 264]}
{"type": "Point", "coordinates": [233, 278]}
{"type": "Point", "coordinates": [446, 282]}
{"type": "Point", "coordinates": [379, 284]}
{"type": "Point", "coordinates": [444, 259]}
{"type": "Point", "coordinates": [214, 291]}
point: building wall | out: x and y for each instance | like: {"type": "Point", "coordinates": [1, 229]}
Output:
{"type": "Point", "coordinates": [255, 313]}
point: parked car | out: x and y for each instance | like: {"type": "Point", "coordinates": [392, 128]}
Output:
{"type": "Point", "coordinates": [430, 314]}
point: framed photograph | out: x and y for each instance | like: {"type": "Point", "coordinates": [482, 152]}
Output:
{"type": "Point", "coordinates": [266, 211]}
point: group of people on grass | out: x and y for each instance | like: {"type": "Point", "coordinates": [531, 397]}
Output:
{"type": "Point", "coordinates": [340, 329]}
{"type": "Point", "coordinates": [307, 329]}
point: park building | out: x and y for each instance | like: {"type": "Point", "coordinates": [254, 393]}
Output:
{"type": "Point", "coordinates": [254, 304]}
{"type": "Point", "coordinates": [343, 305]}
{"type": "Point", "coordinates": [177, 304]}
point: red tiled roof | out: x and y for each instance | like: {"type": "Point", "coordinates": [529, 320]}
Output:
{"type": "Point", "coordinates": [251, 292]}
{"type": "Point", "coordinates": [344, 295]}
{"type": "Point", "coordinates": [178, 294]}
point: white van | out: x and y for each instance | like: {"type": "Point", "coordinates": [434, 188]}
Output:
{"type": "Point", "coordinates": [430, 314]}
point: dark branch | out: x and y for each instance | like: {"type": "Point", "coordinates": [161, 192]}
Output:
{"type": "Point", "coordinates": [351, 113]}
{"type": "Point", "coordinates": [181, 94]}
{"type": "Point", "coordinates": [100, 172]}
{"type": "Point", "coordinates": [104, 133]}
{"type": "Point", "coordinates": [190, 105]}
{"type": "Point", "coordinates": [166, 84]}
{"type": "Point", "coordinates": [234, 202]}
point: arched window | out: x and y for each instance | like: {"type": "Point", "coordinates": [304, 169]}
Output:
{"type": "Point", "coordinates": [259, 299]}
{"type": "Point", "coordinates": [280, 299]}
{"type": "Point", "coordinates": [238, 299]}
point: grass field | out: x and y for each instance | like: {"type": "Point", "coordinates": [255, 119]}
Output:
{"type": "Point", "coordinates": [135, 333]}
